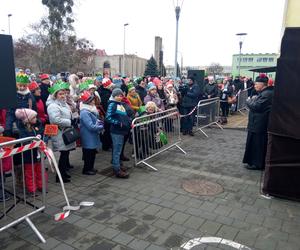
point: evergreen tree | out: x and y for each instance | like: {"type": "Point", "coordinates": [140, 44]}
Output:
{"type": "Point", "coordinates": [151, 67]}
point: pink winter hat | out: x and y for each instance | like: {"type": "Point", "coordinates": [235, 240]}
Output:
{"type": "Point", "coordinates": [25, 115]}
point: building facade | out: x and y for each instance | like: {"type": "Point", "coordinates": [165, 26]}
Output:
{"type": "Point", "coordinates": [184, 70]}
{"type": "Point", "coordinates": [252, 61]}
{"type": "Point", "coordinates": [112, 64]}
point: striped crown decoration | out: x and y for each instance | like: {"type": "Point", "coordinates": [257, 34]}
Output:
{"type": "Point", "coordinates": [22, 79]}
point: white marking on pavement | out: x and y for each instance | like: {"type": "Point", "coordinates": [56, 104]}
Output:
{"type": "Point", "coordinates": [207, 240]}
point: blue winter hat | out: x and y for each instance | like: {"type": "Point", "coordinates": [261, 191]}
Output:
{"type": "Point", "coordinates": [151, 85]}
{"type": "Point", "coordinates": [99, 78]}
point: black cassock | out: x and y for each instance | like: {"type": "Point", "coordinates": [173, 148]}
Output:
{"type": "Point", "coordinates": [257, 138]}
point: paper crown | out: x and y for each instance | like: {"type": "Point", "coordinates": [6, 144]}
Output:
{"type": "Point", "coordinates": [83, 86]}
{"type": "Point", "coordinates": [59, 85]}
{"type": "Point", "coordinates": [130, 86]}
{"type": "Point", "coordinates": [22, 78]}
{"type": "Point", "coordinates": [89, 81]}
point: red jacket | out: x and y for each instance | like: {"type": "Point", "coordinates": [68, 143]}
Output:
{"type": "Point", "coordinates": [41, 111]}
{"type": "Point", "coordinates": [2, 117]}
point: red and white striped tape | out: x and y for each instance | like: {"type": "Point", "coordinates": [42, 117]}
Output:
{"type": "Point", "coordinates": [6, 152]}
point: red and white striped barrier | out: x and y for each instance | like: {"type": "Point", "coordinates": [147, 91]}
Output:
{"type": "Point", "coordinates": [7, 152]}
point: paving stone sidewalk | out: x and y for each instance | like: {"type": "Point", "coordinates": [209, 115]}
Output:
{"type": "Point", "coordinates": [151, 211]}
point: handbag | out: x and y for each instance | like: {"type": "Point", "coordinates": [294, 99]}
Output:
{"type": "Point", "coordinates": [70, 135]}
{"type": "Point", "coordinates": [231, 99]}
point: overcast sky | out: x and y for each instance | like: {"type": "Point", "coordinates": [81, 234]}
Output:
{"type": "Point", "coordinates": [207, 28]}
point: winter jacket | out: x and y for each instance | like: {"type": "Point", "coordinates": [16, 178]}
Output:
{"type": "Point", "coordinates": [260, 107]}
{"type": "Point", "coordinates": [226, 92]}
{"type": "Point", "coordinates": [155, 98]}
{"type": "Point", "coordinates": [191, 96]}
{"type": "Point", "coordinates": [172, 97]}
{"type": "Point", "coordinates": [142, 92]}
{"type": "Point", "coordinates": [2, 117]}
{"type": "Point", "coordinates": [33, 130]}
{"type": "Point", "coordinates": [44, 92]}
{"type": "Point", "coordinates": [60, 114]}
{"type": "Point", "coordinates": [104, 95]}
{"type": "Point", "coordinates": [118, 118]}
{"type": "Point", "coordinates": [135, 101]}
{"type": "Point", "coordinates": [162, 95]}
{"type": "Point", "coordinates": [90, 128]}
{"type": "Point", "coordinates": [210, 90]}
{"type": "Point", "coordinates": [23, 101]}
{"type": "Point", "coordinates": [41, 110]}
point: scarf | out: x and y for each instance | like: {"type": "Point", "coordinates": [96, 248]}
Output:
{"type": "Point", "coordinates": [25, 92]}
{"type": "Point", "coordinates": [91, 108]}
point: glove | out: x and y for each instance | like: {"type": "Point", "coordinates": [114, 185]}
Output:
{"type": "Point", "coordinates": [8, 133]}
{"type": "Point", "coordinates": [100, 124]}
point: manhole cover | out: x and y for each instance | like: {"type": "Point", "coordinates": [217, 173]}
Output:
{"type": "Point", "coordinates": [202, 187]}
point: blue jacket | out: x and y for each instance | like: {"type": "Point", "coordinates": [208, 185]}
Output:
{"type": "Point", "coordinates": [192, 96]}
{"type": "Point", "coordinates": [23, 101]}
{"type": "Point", "coordinates": [118, 118]}
{"type": "Point", "coordinates": [90, 128]}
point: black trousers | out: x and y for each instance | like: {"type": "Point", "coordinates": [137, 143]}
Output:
{"type": "Point", "coordinates": [106, 138]}
{"type": "Point", "coordinates": [224, 108]}
{"type": "Point", "coordinates": [64, 162]}
{"type": "Point", "coordinates": [88, 156]}
{"type": "Point", "coordinates": [126, 137]}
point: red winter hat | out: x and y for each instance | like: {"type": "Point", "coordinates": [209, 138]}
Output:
{"type": "Point", "coordinates": [33, 86]}
{"type": "Point", "coordinates": [107, 83]}
{"type": "Point", "coordinates": [44, 76]}
{"type": "Point", "coordinates": [86, 97]}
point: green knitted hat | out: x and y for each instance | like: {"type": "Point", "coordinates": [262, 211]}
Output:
{"type": "Point", "coordinates": [59, 85]}
{"type": "Point", "coordinates": [130, 86]}
{"type": "Point", "coordinates": [22, 79]}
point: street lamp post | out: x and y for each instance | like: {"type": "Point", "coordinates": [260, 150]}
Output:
{"type": "Point", "coordinates": [177, 13]}
{"type": "Point", "coordinates": [8, 16]}
{"type": "Point", "coordinates": [241, 37]}
{"type": "Point", "coordinates": [123, 65]}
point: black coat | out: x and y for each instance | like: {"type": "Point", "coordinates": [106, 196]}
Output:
{"type": "Point", "coordinates": [260, 107]}
{"type": "Point", "coordinates": [210, 89]}
{"type": "Point", "coordinates": [141, 91]}
{"type": "Point", "coordinates": [192, 96]}
{"type": "Point", "coordinates": [104, 95]}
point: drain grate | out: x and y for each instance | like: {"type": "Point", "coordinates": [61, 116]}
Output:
{"type": "Point", "coordinates": [202, 187]}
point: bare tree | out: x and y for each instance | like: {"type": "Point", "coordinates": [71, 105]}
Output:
{"type": "Point", "coordinates": [214, 69]}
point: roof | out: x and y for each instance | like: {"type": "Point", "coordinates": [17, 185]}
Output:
{"type": "Point", "coordinates": [264, 69]}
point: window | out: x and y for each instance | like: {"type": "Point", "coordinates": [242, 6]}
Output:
{"type": "Point", "coordinates": [250, 59]}
{"type": "Point", "coordinates": [265, 59]}
{"type": "Point", "coordinates": [259, 59]}
{"type": "Point", "coordinates": [245, 59]}
{"type": "Point", "coordinates": [271, 59]}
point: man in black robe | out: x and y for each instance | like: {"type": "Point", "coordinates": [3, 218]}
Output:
{"type": "Point", "coordinates": [257, 138]}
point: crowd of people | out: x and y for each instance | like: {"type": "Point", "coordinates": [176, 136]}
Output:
{"type": "Point", "coordinates": [101, 110]}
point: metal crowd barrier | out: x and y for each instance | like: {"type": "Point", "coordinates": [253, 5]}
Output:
{"type": "Point", "coordinates": [241, 100]}
{"type": "Point", "coordinates": [24, 160]}
{"type": "Point", "coordinates": [207, 114]}
{"type": "Point", "coordinates": [155, 133]}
